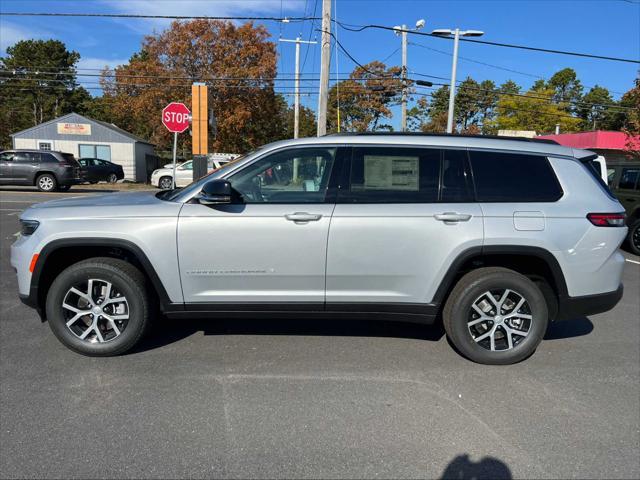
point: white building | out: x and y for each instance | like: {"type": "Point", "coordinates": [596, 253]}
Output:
{"type": "Point", "coordinates": [85, 137]}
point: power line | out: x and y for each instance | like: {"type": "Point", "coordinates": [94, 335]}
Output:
{"type": "Point", "coordinates": [360, 28]}
{"type": "Point", "coordinates": [493, 66]}
{"type": "Point", "coordinates": [166, 17]}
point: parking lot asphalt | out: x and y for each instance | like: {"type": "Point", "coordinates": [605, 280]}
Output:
{"type": "Point", "coordinates": [311, 398]}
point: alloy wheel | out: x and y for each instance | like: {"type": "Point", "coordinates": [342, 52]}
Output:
{"type": "Point", "coordinates": [165, 183]}
{"type": "Point", "coordinates": [500, 320]}
{"type": "Point", "coordinates": [95, 311]}
{"type": "Point", "coordinates": [45, 183]}
{"type": "Point", "coordinates": [112, 178]}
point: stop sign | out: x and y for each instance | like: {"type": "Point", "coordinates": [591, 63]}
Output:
{"type": "Point", "coordinates": [176, 117]}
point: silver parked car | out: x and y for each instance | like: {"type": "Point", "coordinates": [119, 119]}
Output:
{"type": "Point", "coordinates": [496, 237]}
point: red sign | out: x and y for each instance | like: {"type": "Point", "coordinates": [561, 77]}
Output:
{"type": "Point", "coordinates": [176, 117]}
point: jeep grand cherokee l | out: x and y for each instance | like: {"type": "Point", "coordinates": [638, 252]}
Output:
{"type": "Point", "coordinates": [496, 237]}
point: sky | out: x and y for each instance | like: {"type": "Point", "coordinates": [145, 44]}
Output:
{"type": "Point", "coordinates": [607, 27]}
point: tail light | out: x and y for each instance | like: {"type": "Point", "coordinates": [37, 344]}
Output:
{"type": "Point", "coordinates": [607, 219]}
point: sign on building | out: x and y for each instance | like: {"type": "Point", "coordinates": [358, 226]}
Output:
{"type": "Point", "coordinates": [74, 128]}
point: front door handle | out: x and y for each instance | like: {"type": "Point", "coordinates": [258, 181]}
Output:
{"type": "Point", "coordinates": [452, 217]}
{"type": "Point", "coordinates": [303, 217]}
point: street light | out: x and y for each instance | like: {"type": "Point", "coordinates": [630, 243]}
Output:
{"type": "Point", "coordinates": [402, 30]}
{"type": "Point", "coordinates": [444, 32]}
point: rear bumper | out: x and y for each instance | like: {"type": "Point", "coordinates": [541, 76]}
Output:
{"type": "Point", "coordinates": [575, 307]}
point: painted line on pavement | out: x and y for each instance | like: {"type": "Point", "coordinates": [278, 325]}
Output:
{"type": "Point", "coordinates": [632, 261]}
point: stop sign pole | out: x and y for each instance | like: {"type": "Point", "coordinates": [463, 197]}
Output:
{"type": "Point", "coordinates": [176, 117]}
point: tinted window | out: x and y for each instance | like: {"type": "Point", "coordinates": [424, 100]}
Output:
{"type": "Point", "coordinates": [298, 175]}
{"type": "Point", "coordinates": [7, 156]}
{"type": "Point", "coordinates": [407, 175]}
{"type": "Point", "coordinates": [27, 157]}
{"type": "Point", "coordinates": [455, 185]}
{"type": "Point", "coordinates": [629, 178]}
{"type": "Point", "coordinates": [393, 175]}
{"type": "Point", "coordinates": [48, 158]}
{"type": "Point", "coordinates": [509, 177]}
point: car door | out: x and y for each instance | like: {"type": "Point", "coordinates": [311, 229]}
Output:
{"type": "Point", "coordinates": [269, 246]}
{"type": "Point", "coordinates": [184, 174]}
{"type": "Point", "coordinates": [403, 214]}
{"type": "Point", "coordinates": [628, 188]}
{"type": "Point", "coordinates": [25, 167]}
{"type": "Point", "coordinates": [6, 163]}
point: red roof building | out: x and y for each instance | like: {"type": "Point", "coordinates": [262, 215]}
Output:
{"type": "Point", "coordinates": [611, 145]}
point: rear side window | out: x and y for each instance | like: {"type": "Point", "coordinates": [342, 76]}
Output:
{"type": "Point", "coordinates": [69, 158]}
{"type": "Point", "coordinates": [511, 177]}
{"type": "Point", "coordinates": [406, 175]}
{"type": "Point", "coordinates": [47, 157]}
{"type": "Point", "coordinates": [629, 178]}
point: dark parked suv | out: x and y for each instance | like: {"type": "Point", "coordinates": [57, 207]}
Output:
{"type": "Point", "coordinates": [624, 181]}
{"type": "Point", "coordinates": [49, 171]}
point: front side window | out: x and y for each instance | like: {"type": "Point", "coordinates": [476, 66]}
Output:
{"type": "Point", "coordinates": [512, 177]}
{"type": "Point", "coordinates": [7, 156]}
{"type": "Point", "coordinates": [187, 165]}
{"type": "Point", "coordinates": [629, 178]}
{"type": "Point", "coordinates": [291, 176]}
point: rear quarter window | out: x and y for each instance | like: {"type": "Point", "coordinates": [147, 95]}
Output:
{"type": "Point", "coordinates": [513, 177]}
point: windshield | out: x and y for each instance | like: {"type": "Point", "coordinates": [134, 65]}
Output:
{"type": "Point", "coordinates": [172, 195]}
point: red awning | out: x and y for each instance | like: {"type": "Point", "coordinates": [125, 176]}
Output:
{"type": "Point", "coordinates": [599, 139]}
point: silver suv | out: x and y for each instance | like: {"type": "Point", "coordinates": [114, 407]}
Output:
{"type": "Point", "coordinates": [494, 237]}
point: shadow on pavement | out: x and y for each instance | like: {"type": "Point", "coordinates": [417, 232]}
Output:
{"type": "Point", "coordinates": [71, 191]}
{"type": "Point", "coordinates": [569, 329]}
{"type": "Point", "coordinates": [165, 331]}
{"type": "Point", "coordinates": [462, 468]}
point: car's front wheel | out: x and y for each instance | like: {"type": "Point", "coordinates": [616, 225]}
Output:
{"type": "Point", "coordinates": [99, 307]}
{"type": "Point", "coordinates": [112, 178]}
{"type": "Point", "coordinates": [495, 316]}
{"type": "Point", "coordinates": [165, 183]}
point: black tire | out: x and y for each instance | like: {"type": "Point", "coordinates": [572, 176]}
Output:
{"type": "Point", "coordinates": [64, 188]}
{"type": "Point", "coordinates": [46, 182]}
{"type": "Point", "coordinates": [126, 279]}
{"type": "Point", "coordinates": [165, 183]}
{"type": "Point", "coordinates": [633, 238]}
{"type": "Point", "coordinates": [459, 307]}
{"type": "Point", "coordinates": [112, 178]}
{"type": "Point", "coordinates": [93, 182]}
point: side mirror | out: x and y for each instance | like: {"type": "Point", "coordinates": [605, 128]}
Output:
{"type": "Point", "coordinates": [215, 192]}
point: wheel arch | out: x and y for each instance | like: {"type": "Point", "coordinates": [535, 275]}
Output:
{"type": "Point", "coordinates": [61, 253]}
{"type": "Point", "coordinates": [537, 263]}
{"type": "Point", "coordinates": [39, 173]}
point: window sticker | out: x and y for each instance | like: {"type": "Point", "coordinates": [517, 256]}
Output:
{"type": "Point", "coordinates": [391, 173]}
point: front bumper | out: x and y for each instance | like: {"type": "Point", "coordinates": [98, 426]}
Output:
{"type": "Point", "coordinates": [570, 308]}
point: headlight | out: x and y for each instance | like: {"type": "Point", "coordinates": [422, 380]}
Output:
{"type": "Point", "coordinates": [29, 226]}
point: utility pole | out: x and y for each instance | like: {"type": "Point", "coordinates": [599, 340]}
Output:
{"type": "Point", "coordinates": [296, 98]}
{"type": "Point", "coordinates": [402, 31]}
{"type": "Point", "coordinates": [325, 59]}
{"type": "Point", "coordinates": [404, 78]}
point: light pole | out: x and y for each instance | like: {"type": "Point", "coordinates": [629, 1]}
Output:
{"type": "Point", "coordinates": [452, 88]}
{"type": "Point", "coordinates": [402, 30]}
{"type": "Point", "coordinates": [296, 100]}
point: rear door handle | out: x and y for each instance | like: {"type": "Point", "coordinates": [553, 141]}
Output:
{"type": "Point", "coordinates": [303, 217]}
{"type": "Point", "coordinates": [452, 217]}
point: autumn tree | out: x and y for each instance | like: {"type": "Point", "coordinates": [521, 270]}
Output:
{"type": "Point", "coordinates": [37, 83]}
{"type": "Point", "coordinates": [365, 98]}
{"type": "Point", "coordinates": [534, 110]}
{"type": "Point", "coordinates": [236, 61]}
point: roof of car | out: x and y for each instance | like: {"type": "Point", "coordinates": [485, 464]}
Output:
{"type": "Point", "coordinates": [487, 142]}
{"type": "Point", "coordinates": [31, 150]}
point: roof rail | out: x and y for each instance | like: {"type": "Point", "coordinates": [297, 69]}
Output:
{"type": "Point", "coordinates": [463, 135]}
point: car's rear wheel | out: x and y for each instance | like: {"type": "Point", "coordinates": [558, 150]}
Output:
{"type": "Point", "coordinates": [99, 307]}
{"type": "Point", "coordinates": [495, 316]}
{"type": "Point", "coordinates": [46, 182]}
{"type": "Point", "coordinates": [112, 178]}
{"type": "Point", "coordinates": [634, 237]}
{"type": "Point", "coordinates": [165, 183]}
